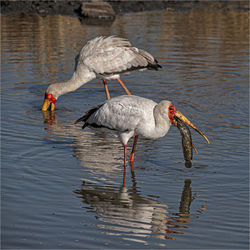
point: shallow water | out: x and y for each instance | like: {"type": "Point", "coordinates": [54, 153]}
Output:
{"type": "Point", "coordinates": [62, 187]}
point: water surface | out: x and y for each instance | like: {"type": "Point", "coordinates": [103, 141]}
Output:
{"type": "Point", "coordinates": [62, 187]}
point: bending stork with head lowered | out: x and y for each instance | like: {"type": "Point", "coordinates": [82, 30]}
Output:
{"type": "Point", "coordinates": [105, 58]}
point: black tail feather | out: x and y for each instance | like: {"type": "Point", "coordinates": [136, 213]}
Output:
{"type": "Point", "coordinates": [154, 66]}
{"type": "Point", "coordinates": [86, 115]}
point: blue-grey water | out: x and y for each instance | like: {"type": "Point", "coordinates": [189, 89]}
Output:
{"type": "Point", "coordinates": [61, 187]}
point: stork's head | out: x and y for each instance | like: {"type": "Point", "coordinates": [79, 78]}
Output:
{"type": "Point", "coordinates": [49, 100]}
{"type": "Point", "coordinates": [173, 112]}
{"type": "Point", "coordinates": [50, 97]}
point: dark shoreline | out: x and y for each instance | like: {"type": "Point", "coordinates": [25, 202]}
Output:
{"type": "Point", "coordinates": [73, 8]}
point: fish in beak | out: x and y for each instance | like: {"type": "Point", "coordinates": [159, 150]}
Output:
{"type": "Point", "coordinates": [175, 113]}
{"type": "Point", "coordinates": [49, 100]}
{"type": "Point", "coordinates": [186, 141]}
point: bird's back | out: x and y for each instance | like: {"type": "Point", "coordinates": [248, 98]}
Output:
{"type": "Point", "coordinates": [99, 46]}
{"type": "Point", "coordinates": [122, 113]}
{"type": "Point", "coordinates": [106, 56]}
{"type": "Point", "coordinates": [102, 44]}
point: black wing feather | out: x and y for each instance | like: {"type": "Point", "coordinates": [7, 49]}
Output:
{"type": "Point", "coordinates": [86, 115]}
{"type": "Point", "coordinates": [149, 66]}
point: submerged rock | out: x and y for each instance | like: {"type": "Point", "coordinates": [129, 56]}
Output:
{"type": "Point", "coordinates": [100, 10]}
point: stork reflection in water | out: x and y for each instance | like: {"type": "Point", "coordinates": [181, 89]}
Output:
{"type": "Point", "coordinates": [134, 216]}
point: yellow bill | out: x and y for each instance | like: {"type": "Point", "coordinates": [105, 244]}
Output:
{"type": "Point", "coordinates": [49, 100]}
{"type": "Point", "coordinates": [185, 119]}
{"type": "Point", "coordinates": [46, 104]}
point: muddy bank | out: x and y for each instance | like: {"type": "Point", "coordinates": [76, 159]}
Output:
{"type": "Point", "coordinates": [73, 8]}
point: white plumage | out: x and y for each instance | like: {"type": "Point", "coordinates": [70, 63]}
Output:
{"type": "Point", "coordinates": [105, 58]}
{"type": "Point", "coordinates": [131, 115]}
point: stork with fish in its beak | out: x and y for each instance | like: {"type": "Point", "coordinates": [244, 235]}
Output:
{"type": "Point", "coordinates": [130, 115]}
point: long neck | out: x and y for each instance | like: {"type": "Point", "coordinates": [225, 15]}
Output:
{"type": "Point", "coordinates": [162, 123]}
{"type": "Point", "coordinates": [81, 76]}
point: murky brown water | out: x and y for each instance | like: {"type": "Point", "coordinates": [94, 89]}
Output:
{"type": "Point", "coordinates": [62, 187]}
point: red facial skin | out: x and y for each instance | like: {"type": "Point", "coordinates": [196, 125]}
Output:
{"type": "Point", "coordinates": [51, 98]}
{"type": "Point", "coordinates": [171, 112]}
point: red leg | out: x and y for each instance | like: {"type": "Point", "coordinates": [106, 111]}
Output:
{"type": "Point", "coordinates": [106, 89]}
{"type": "Point", "coordinates": [132, 155]}
{"type": "Point", "coordinates": [124, 173]}
{"type": "Point", "coordinates": [132, 169]}
{"type": "Point", "coordinates": [125, 88]}
{"type": "Point", "coordinates": [133, 174]}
